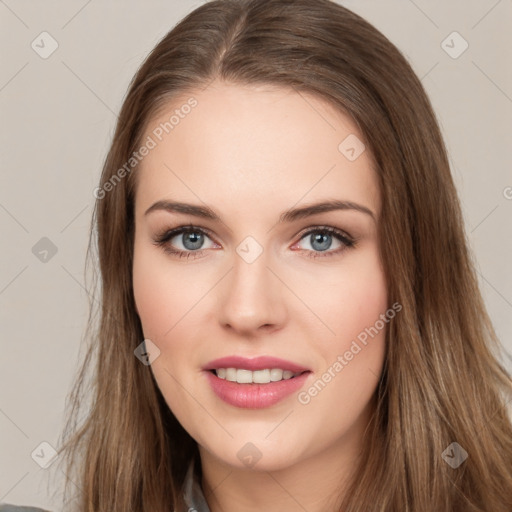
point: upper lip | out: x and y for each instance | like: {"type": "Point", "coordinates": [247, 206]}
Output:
{"type": "Point", "coordinates": [256, 363]}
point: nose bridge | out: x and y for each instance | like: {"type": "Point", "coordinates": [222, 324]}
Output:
{"type": "Point", "coordinates": [251, 296]}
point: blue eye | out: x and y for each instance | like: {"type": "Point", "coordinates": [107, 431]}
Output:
{"type": "Point", "coordinates": [193, 238]}
{"type": "Point", "coordinates": [321, 239]}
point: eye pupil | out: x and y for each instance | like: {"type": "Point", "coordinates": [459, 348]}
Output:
{"type": "Point", "coordinates": [193, 240]}
{"type": "Point", "coordinates": [319, 237]}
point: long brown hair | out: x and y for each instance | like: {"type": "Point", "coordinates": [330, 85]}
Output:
{"type": "Point", "coordinates": [442, 380]}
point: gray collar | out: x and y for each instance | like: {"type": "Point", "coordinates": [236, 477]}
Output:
{"type": "Point", "coordinates": [193, 494]}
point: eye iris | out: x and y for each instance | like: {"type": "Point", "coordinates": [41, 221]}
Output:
{"type": "Point", "coordinates": [195, 238]}
{"type": "Point", "coordinates": [319, 237]}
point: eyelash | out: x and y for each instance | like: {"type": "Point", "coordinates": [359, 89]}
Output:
{"type": "Point", "coordinates": [162, 239]}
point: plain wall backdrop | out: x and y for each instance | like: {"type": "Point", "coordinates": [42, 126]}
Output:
{"type": "Point", "coordinates": [58, 114]}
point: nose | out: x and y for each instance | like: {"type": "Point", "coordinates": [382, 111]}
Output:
{"type": "Point", "coordinates": [250, 298]}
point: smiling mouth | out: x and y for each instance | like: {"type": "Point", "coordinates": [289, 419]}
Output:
{"type": "Point", "coordinates": [254, 389]}
{"type": "Point", "coordinates": [265, 376]}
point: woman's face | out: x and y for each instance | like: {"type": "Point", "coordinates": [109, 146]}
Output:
{"type": "Point", "coordinates": [251, 280]}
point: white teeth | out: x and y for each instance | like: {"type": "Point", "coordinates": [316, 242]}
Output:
{"type": "Point", "coordinates": [243, 376]}
{"type": "Point", "coordinates": [231, 374]}
{"type": "Point", "coordinates": [276, 374]}
{"type": "Point", "coordinates": [258, 376]}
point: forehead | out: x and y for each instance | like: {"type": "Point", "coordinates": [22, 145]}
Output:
{"type": "Point", "coordinates": [254, 147]}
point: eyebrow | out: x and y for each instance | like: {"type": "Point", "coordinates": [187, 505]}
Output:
{"type": "Point", "coordinates": [288, 216]}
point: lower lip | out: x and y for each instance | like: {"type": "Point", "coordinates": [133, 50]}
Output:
{"type": "Point", "coordinates": [255, 396]}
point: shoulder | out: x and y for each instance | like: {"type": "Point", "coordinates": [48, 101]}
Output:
{"type": "Point", "coordinates": [5, 507]}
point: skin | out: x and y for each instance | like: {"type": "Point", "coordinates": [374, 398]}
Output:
{"type": "Point", "coordinates": [250, 153]}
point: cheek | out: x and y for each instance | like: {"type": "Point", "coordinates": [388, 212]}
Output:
{"type": "Point", "coordinates": [162, 296]}
{"type": "Point", "coordinates": [353, 357]}
{"type": "Point", "coordinates": [355, 307]}
{"type": "Point", "coordinates": [162, 299]}
{"type": "Point", "coordinates": [150, 295]}
{"type": "Point", "coordinates": [351, 299]}
{"type": "Point", "coordinates": [365, 300]}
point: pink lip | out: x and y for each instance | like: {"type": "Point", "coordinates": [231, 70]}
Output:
{"type": "Point", "coordinates": [254, 396]}
{"type": "Point", "coordinates": [257, 363]}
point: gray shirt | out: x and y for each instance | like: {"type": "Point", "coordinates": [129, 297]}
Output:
{"type": "Point", "coordinates": [193, 493]}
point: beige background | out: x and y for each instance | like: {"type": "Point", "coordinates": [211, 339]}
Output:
{"type": "Point", "coordinates": [58, 116]}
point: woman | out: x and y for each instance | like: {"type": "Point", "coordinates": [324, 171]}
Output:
{"type": "Point", "coordinates": [290, 317]}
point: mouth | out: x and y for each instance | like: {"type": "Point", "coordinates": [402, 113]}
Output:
{"type": "Point", "coordinates": [240, 388]}
{"type": "Point", "coordinates": [263, 376]}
